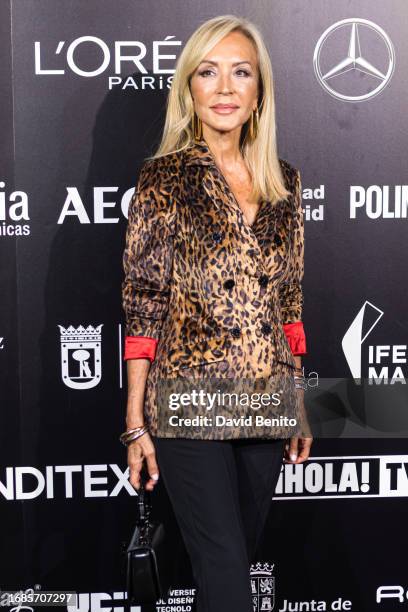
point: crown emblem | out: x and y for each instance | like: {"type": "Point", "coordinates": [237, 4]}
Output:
{"type": "Point", "coordinates": [81, 333]}
{"type": "Point", "coordinates": [262, 569]}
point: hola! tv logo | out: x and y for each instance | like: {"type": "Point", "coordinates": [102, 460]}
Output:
{"type": "Point", "coordinates": [81, 356]}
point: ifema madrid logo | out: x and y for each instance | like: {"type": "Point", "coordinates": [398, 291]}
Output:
{"type": "Point", "coordinates": [81, 356]}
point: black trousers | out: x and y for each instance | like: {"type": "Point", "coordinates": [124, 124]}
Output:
{"type": "Point", "coordinates": [221, 493]}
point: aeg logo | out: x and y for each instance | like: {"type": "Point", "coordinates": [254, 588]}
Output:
{"type": "Point", "coordinates": [75, 207]}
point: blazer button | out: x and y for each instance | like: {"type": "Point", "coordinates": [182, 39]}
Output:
{"type": "Point", "coordinates": [277, 240]}
{"type": "Point", "coordinates": [217, 237]}
{"type": "Point", "coordinates": [236, 332]}
{"type": "Point", "coordinates": [266, 328]}
{"type": "Point", "coordinates": [263, 280]}
{"type": "Point", "coordinates": [229, 283]}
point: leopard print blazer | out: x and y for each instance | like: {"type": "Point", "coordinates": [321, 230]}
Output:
{"type": "Point", "coordinates": [212, 289]}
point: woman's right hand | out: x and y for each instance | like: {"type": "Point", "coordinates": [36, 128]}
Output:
{"type": "Point", "coordinates": [138, 450]}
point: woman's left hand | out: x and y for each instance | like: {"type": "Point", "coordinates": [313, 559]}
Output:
{"type": "Point", "coordinates": [297, 450]}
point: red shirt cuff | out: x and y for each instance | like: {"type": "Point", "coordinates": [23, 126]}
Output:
{"type": "Point", "coordinates": [295, 334]}
{"type": "Point", "coordinates": [137, 347]}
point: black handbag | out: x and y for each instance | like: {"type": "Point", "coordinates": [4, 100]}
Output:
{"type": "Point", "coordinates": [143, 583]}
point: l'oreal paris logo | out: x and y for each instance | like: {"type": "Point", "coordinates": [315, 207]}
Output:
{"type": "Point", "coordinates": [142, 63]}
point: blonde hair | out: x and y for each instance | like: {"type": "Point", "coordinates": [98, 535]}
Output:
{"type": "Point", "coordinates": [261, 154]}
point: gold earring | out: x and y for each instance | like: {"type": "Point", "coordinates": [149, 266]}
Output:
{"type": "Point", "coordinates": [254, 124]}
{"type": "Point", "coordinates": [197, 127]}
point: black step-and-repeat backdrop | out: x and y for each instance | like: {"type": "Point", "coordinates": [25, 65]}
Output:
{"type": "Point", "coordinates": [83, 90]}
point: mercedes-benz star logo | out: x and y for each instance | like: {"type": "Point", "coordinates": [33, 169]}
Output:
{"type": "Point", "coordinates": [371, 68]}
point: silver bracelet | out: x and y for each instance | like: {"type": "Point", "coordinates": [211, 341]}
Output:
{"type": "Point", "coordinates": [132, 434]}
{"type": "Point", "coordinates": [300, 382]}
{"type": "Point", "coordinates": [299, 386]}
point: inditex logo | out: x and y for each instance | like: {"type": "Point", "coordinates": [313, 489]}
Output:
{"type": "Point", "coordinates": [90, 56]}
{"type": "Point", "coordinates": [354, 59]}
{"type": "Point", "coordinates": [64, 481]}
{"type": "Point", "coordinates": [13, 213]}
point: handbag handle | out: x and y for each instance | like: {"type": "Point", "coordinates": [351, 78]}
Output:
{"type": "Point", "coordinates": [143, 522]}
{"type": "Point", "coordinates": [144, 501]}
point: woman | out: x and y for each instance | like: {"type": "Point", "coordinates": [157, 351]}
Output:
{"type": "Point", "coordinates": [213, 267]}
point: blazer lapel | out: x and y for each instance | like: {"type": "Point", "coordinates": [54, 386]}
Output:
{"type": "Point", "coordinates": [265, 246]}
{"type": "Point", "coordinates": [221, 195]}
